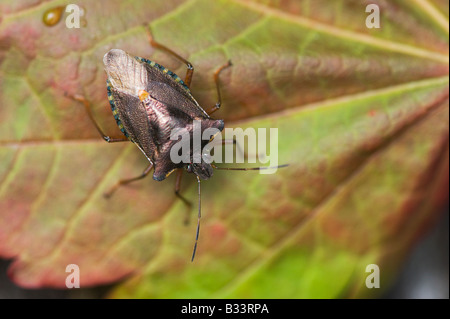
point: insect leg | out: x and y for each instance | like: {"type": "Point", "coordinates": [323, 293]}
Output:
{"type": "Point", "coordinates": [216, 80]}
{"type": "Point", "coordinates": [190, 67]}
{"type": "Point", "coordinates": [87, 106]}
{"type": "Point", "coordinates": [177, 193]}
{"type": "Point", "coordinates": [127, 181]}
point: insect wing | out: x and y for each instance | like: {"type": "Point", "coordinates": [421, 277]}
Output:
{"type": "Point", "coordinates": [126, 77]}
{"type": "Point", "coordinates": [168, 88]}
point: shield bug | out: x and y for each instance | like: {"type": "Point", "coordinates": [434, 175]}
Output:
{"type": "Point", "coordinates": [148, 102]}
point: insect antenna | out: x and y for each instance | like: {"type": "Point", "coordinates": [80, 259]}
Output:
{"type": "Point", "coordinates": [248, 168]}
{"type": "Point", "coordinates": [198, 218]}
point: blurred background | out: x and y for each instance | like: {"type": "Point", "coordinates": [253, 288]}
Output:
{"type": "Point", "coordinates": [425, 274]}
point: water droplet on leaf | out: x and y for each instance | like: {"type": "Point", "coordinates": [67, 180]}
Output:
{"type": "Point", "coordinates": [53, 16]}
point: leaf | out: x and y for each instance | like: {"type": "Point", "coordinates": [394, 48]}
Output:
{"type": "Point", "coordinates": [362, 118]}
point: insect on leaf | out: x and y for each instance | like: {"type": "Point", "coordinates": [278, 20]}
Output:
{"type": "Point", "coordinates": [362, 119]}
